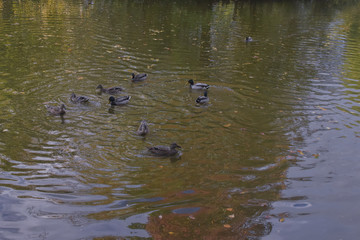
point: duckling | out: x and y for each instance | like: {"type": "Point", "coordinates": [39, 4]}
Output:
{"type": "Point", "coordinates": [143, 128]}
{"type": "Point", "coordinates": [119, 101]}
{"type": "Point", "coordinates": [111, 90]}
{"type": "Point", "coordinates": [248, 39]}
{"type": "Point", "coordinates": [203, 99]}
{"type": "Point", "coordinates": [78, 99]}
{"type": "Point", "coordinates": [55, 110]}
{"type": "Point", "coordinates": [198, 86]}
{"type": "Point", "coordinates": [164, 150]}
{"type": "Point", "coordinates": [138, 77]}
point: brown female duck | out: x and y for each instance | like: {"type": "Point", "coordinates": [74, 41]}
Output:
{"type": "Point", "coordinates": [164, 150]}
{"type": "Point", "coordinates": [55, 110]}
{"type": "Point", "coordinates": [78, 99]}
{"type": "Point", "coordinates": [143, 128]}
{"type": "Point", "coordinates": [111, 90]}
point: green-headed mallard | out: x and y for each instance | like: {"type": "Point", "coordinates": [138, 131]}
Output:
{"type": "Point", "coordinates": [203, 99]}
{"type": "Point", "coordinates": [55, 110]}
{"type": "Point", "coordinates": [111, 90]}
{"type": "Point", "coordinates": [119, 101]}
{"type": "Point", "coordinates": [143, 128]}
{"type": "Point", "coordinates": [78, 99]}
{"type": "Point", "coordinates": [198, 86]}
{"type": "Point", "coordinates": [164, 150]}
{"type": "Point", "coordinates": [138, 77]}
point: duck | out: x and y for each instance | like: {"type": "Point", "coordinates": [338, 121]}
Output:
{"type": "Point", "coordinates": [55, 110]}
{"type": "Point", "coordinates": [139, 77]}
{"type": "Point", "coordinates": [111, 90]}
{"type": "Point", "coordinates": [78, 99]}
{"type": "Point", "coordinates": [202, 99]}
{"type": "Point", "coordinates": [119, 101]}
{"type": "Point", "coordinates": [164, 150]}
{"type": "Point", "coordinates": [143, 128]}
{"type": "Point", "coordinates": [248, 39]}
{"type": "Point", "coordinates": [198, 86]}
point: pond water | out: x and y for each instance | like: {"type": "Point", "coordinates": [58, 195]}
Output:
{"type": "Point", "coordinates": [274, 154]}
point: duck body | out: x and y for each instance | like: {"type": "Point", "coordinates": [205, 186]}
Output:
{"type": "Point", "coordinates": [111, 90]}
{"type": "Point", "coordinates": [119, 101]}
{"type": "Point", "coordinates": [55, 110]}
{"type": "Point", "coordinates": [78, 99]}
{"type": "Point", "coordinates": [198, 86]}
{"type": "Point", "coordinates": [143, 129]}
{"type": "Point", "coordinates": [248, 39]}
{"type": "Point", "coordinates": [202, 99]}
{"type": "Point", "coordinates": [164, 150]}
{"type": "Point", "coordinates": [139, 77]}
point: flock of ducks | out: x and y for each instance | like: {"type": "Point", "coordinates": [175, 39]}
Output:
{"type": "Point", "coordinates": [143, 128]}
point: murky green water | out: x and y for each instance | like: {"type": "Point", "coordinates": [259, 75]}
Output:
{"type": "Point", "coordinates": [274, 153]}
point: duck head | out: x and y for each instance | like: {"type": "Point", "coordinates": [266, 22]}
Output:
{"type": "Point", "coordinates": [191, 82]}
{"type": "Point", "coordinates": [174, 145]}
{"type": "Point", "coordinates": [111, 99]}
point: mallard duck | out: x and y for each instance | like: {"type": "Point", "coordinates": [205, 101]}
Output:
{"type": "Point", "coordinates": [203, 99]}
{"type": "Point", "coordinates": [164, 150]}
{"type": "Point", "coordinates": [55, 110]}
{"type": "Point", "coordinates": [248, 39]}
{"type": "Point", "coordinates": [138, 77]}
{"type": "Point", "coordinates": [198, 86]}
{"type": "Point", "coordinates": [111, 90]}
{"type": "Point", "coordinates": [143, 128]}
{"type": "Point", "coordinates": [119, 101]}
{"type": "Point", "coordinates": [78, 99]}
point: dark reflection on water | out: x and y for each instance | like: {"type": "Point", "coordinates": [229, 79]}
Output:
{"type": "Point", "coordinates": [89, 173]}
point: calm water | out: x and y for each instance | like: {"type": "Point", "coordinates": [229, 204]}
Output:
{"type": "Point", "coordinates": [273, 155]}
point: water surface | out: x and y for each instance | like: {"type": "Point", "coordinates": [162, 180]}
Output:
{"type": "Point", "coordinates": [273, 154]}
